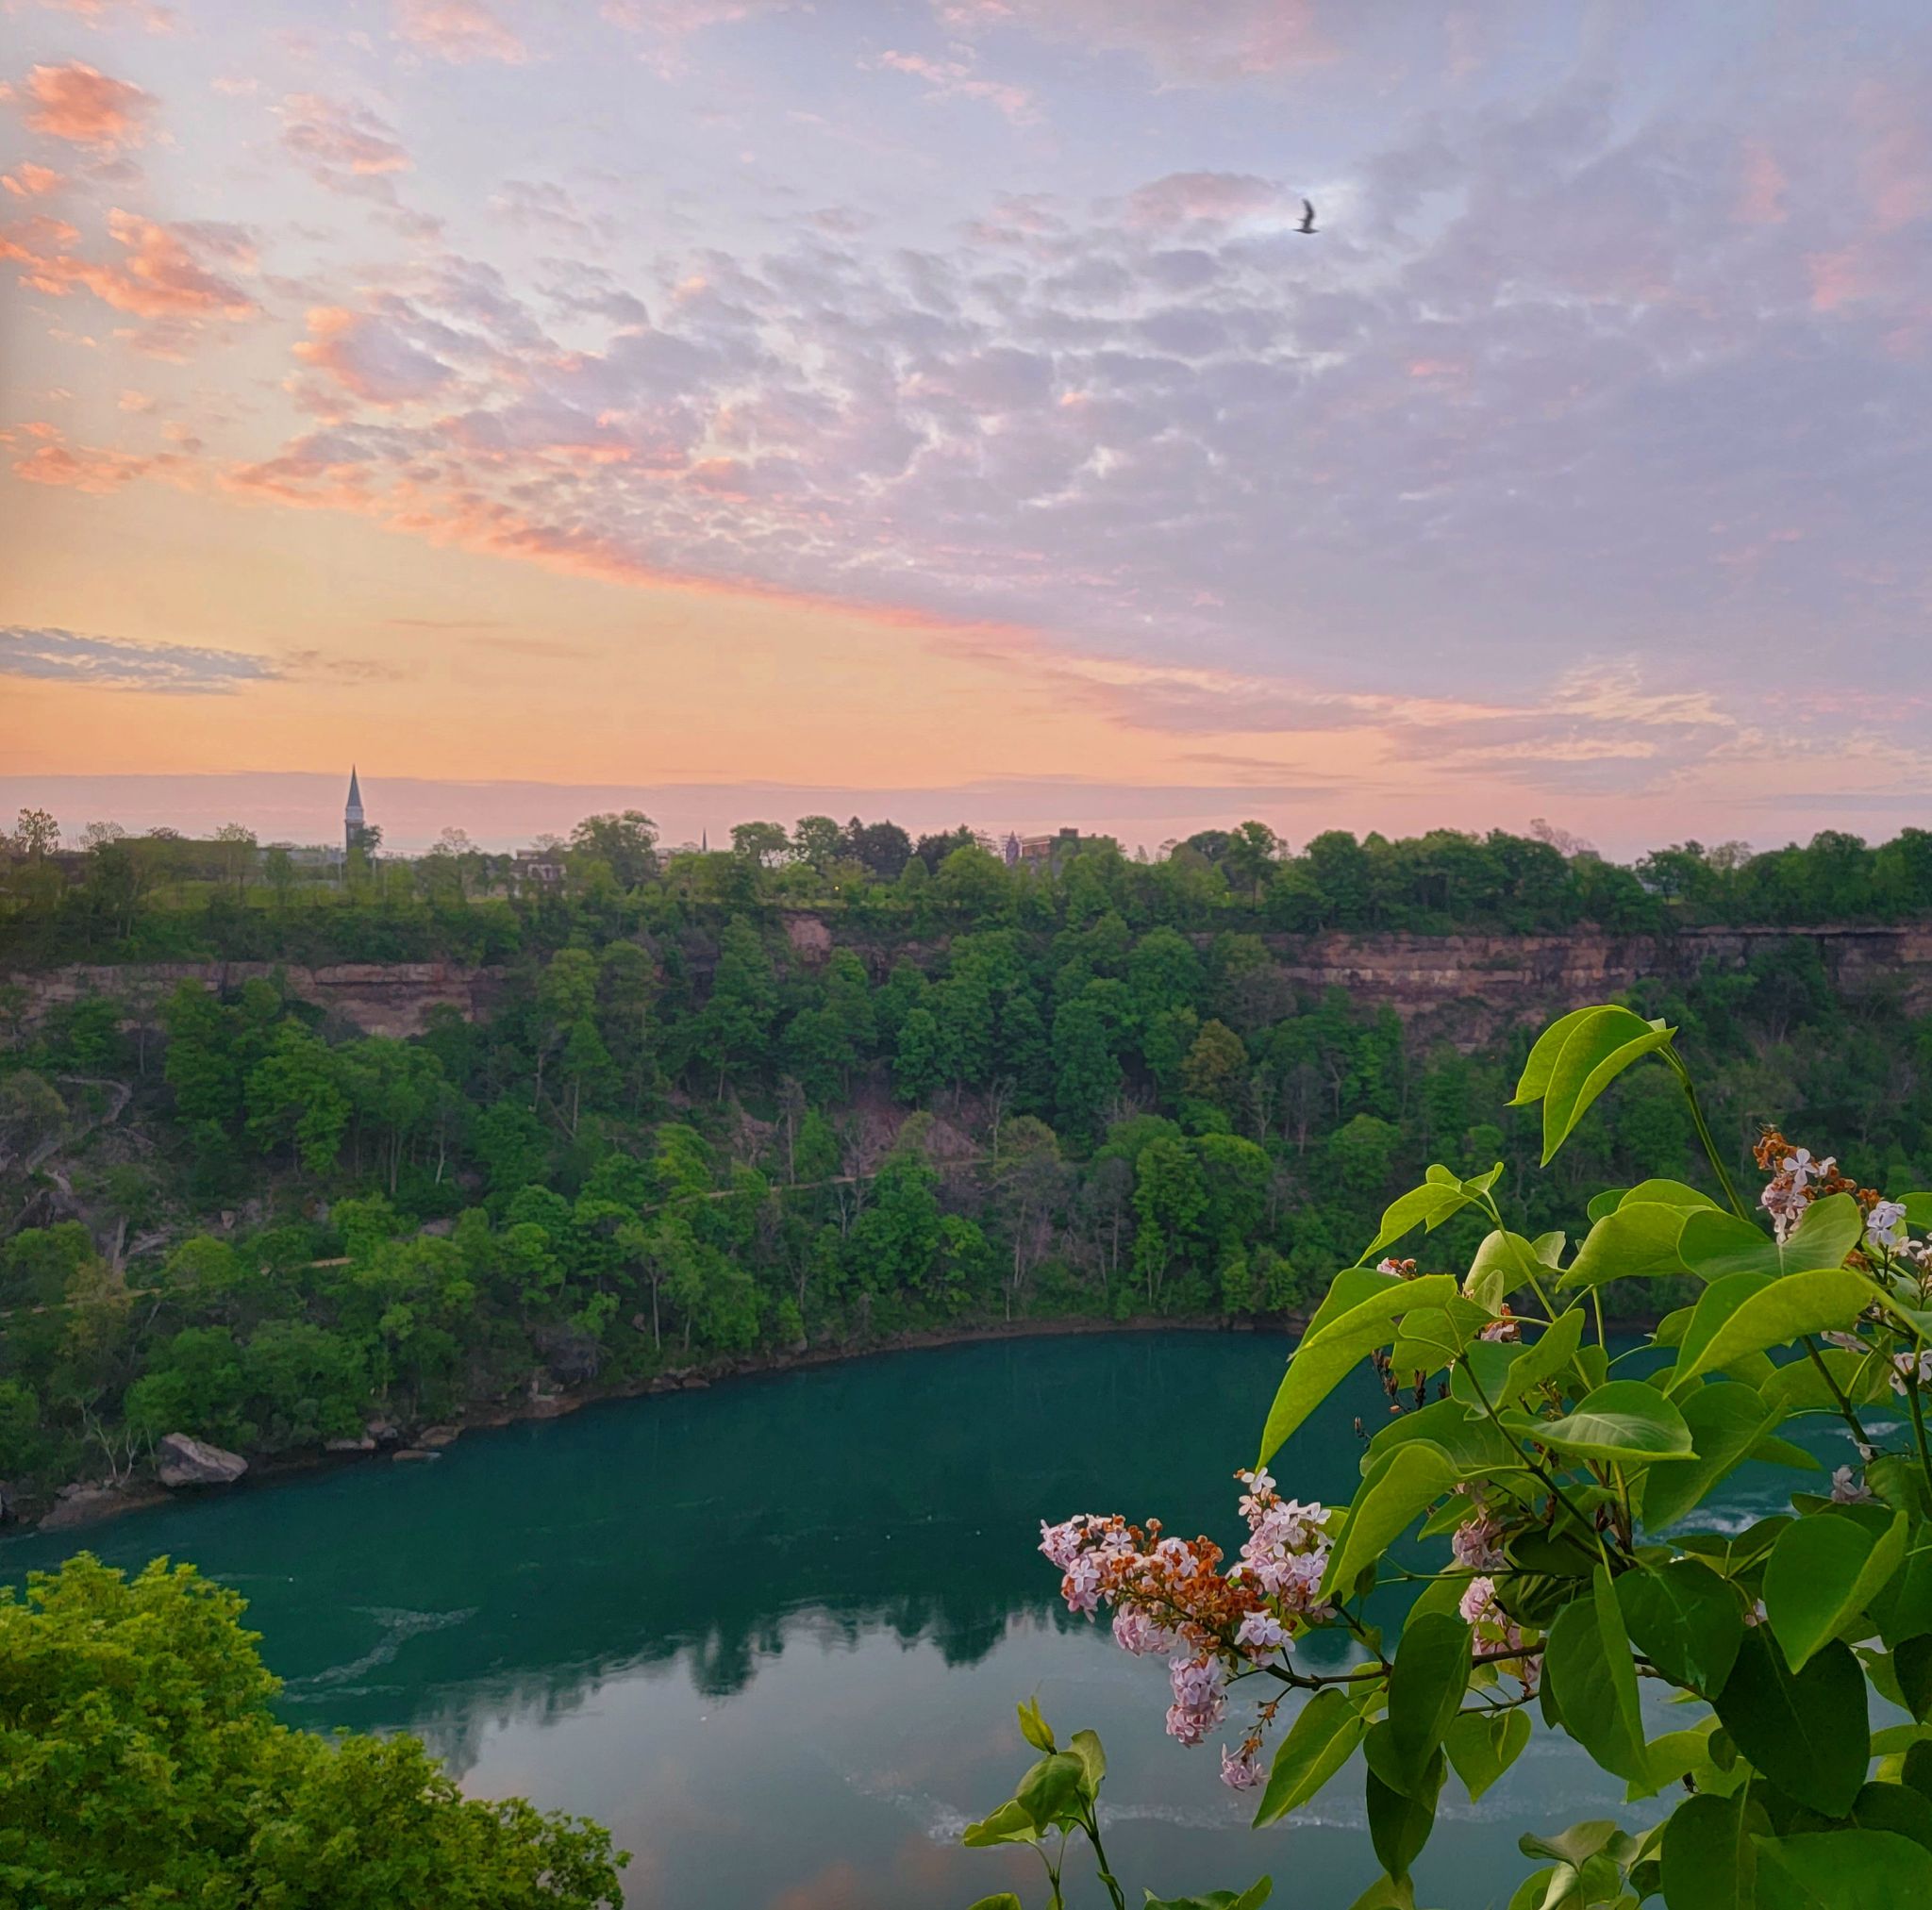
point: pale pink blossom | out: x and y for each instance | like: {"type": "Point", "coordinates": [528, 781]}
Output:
{"type": "Point", "coordinates": [1785, 1204]}
{"type": "Point", "coordinates": [1081, 1585]}
{"type": "Point", "coordinates": [1848, 1488]}
{"type": "Point", "coordinates": [1911, 1367]}
{"type": "Point", "coordinates": [1135, 1632]}
{"type": "Point", "coordinates": [1884, 1225]}
{"type": "Point", "coordinates": [1497, 1633]}
{"type": "Point", "coordinates": [1199, 1701]}
{"type": "Point", "coordinates": [1262, 1633]}
{"type": "Point", "coordinates": [1258, 1497]}
{"type": "Point", "coordinates": [1062, 1544]}
{"type": "Point", "coordinates": [1477, 1542]}
{"type": "Point", "coordinates": [1241, 1770]}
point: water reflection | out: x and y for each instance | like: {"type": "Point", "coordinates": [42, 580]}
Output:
{"type": "Point", "coordinates": [773, 1631]}
{"type": "Point", "coordinates": [900, 1495]}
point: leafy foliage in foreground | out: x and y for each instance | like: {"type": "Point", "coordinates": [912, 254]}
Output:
{"type": "Point", "coordinates": [139, 1764]}
{"type": "Point", "coordinates": [1056, 1800]}
{"type": "Point", "coordinates": [1578, 1580]}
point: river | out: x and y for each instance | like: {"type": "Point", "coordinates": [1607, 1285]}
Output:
{"type": "Point", "coordinates": [772, 1634]}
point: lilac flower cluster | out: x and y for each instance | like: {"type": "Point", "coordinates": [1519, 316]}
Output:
{"type": "Point", "coordinates": [1497, 1632]}
{"type": "Point", "coordinates": [1477, 1542]}
{"type": "Point", "coordinates": [1169, 1596]}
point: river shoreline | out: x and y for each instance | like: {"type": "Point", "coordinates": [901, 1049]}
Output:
{"type": "Point", "coordinates": [424, 1441]}
{"type": "Point", "coordinates": [418, 1442]}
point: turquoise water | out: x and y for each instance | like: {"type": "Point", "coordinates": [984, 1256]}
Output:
{"type": "Point", "coordinates": [773, 1633]}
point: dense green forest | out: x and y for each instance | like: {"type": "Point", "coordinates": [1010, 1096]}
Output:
{"type": "Point", "coordinates": [1084, 1093]}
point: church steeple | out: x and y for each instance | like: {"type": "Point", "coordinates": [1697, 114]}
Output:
{"type": "Point", "coordinates": [351, 814]}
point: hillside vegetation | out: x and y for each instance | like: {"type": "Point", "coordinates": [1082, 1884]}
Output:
{"type": "Point", "coordinates": [680, 1141]}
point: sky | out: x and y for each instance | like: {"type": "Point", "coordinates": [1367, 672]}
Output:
{"type": "Point", "coordinates": [752, 407]}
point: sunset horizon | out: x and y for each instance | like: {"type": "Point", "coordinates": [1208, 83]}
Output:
{"type": "Point", "coordinates": [936, 410]}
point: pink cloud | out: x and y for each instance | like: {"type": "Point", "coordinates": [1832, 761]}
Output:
{"type": "Point", "coordinates": [1839, 278]}
{"type": "Point", "coordinates": [82, 105]}
{"type": "Point", "coordinates": [370, 358]}
{"type": "Point", "coordinates": [330, 137]}
{"type": "Point", "coordinates": [166, 273]}
{"type": "Point", "coordinates": [97, 13]}
{"type": "Point", "coordinates": [1181, 39]}
{"type": "Point", "coordinates": [81, 469]}
{"type": "Point", "coordinates": [672, 23]}
{"type": "Point", "coordinates": [1207, 198]}
{"type": "Point", "coordinates": [459, 31]}
{"type": "Point", "coordinates": [32, 181]}
{"type": "Point", "coordinates": [1896, 171]}
{"type": "Point", "coordinates": [1761, 202]}
{"type": "Point", "coordinates": [957, 79]}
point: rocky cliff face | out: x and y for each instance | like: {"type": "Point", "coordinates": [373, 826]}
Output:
{"type": "Point", "coordinates": [1463, 987]}
{"type": "Point", "coordinates": [1489, 981]}
{"type": "Point", "coordinates": [377, 998]}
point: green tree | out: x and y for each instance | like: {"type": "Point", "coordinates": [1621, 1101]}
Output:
{"type": "Point", "coordinates": [883, 848]}
{"type": "Point", "coordinates": [897, 1237]}
{"type": "Point", "coordinates": [625, 841]}
{"type": "Point", "coordinates": [767, 844]}
{"type": "Point", "coordinates": [1363, 1153]}
{"type": "Point", "coordinates": [627, 988]}
{"type": "Point", "coordinates": [200, 1067]}
{"type": "Point", "coordinates": [848, 1010]}
{"type": "Point", "coordinates": [735, 1024]}
{"type": "Point", "coordinates": [919, 1064]}
{"type": "Point", "coordinates": [296, 1099]}
{"type": "Point", "coordinates": [305, 1382]}
{"type": "Point", "coordinates": [818, 840]}
{"type": "Point", "coordinates": [1029, 1183]}
{"type": "Point", "coordinates": [1170, 1198]}
{"type": "Point", "coordinates": [1215, 1066]}
{"type": "Point", "coordinates": [36, 834]}
{"type": "Point", "coordinates": [1252, 852]}
{"type": "Point", "coordinates": [235, 845]}
{"type": "Point", "coordinates": [1339, 866]}
{"type": "Point", "coordinates": [972, 883]}
{"type": "Point", "coordinates": [192, 1385]}
{"type": "Point", "coordinates": [26, 1445]}
{"type": "Point", "coordinates": [1086, 1074]}
{"type": "Point", "coordinates": [144, 1765]}
{"type": "Point", "coordinates": [1294, 901]}
{"type": "Point", "coordinates": [1163, 974]}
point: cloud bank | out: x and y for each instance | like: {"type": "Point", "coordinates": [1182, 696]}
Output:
{"type": "Point", "coordinates": [114, 663]}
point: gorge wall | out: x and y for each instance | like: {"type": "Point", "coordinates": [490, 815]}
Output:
{"type": "Point", "coordinates": [376, 998]}
{"type": "Point", "coordinates": [1461, 988]}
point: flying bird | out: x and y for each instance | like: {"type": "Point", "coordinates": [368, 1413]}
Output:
{"type": "Point", "coordinates": [1308, 224]}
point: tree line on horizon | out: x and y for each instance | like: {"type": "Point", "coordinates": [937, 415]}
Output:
{"type": "Point", "coordinates": [161, 896]}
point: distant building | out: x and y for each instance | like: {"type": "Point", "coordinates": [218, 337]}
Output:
{"type": "Point", "coordinates": [1040, 852]}
{"type": "Point", "coordinates": [540, 868]}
